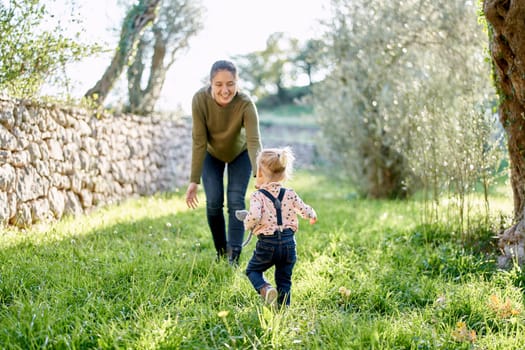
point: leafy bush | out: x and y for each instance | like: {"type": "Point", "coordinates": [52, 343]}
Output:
{"type": "Point", "coordinates": [405, 101]}
{"type": "Point", "coordinates": [31, 50]}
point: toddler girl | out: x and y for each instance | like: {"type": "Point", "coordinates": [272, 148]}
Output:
{"type": "Point", "coordinates": [272, 218]}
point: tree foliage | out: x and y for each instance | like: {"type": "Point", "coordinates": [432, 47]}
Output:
{"type": "Point", "coordinates": [307, 58]}
{"type": "Point", "coordinates": [406, 98]}
{"type": "Point", "coordinates": [33, 49]}
{"type": "Point", "coordinates": [264, 71]}
{"type": "Point", "coordinates": [271, 72]}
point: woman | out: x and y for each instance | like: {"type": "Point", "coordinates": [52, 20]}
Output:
{"type": "Point", "coordinates": [225, 136]}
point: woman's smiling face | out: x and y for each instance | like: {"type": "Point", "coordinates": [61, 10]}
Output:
{"type": "Point", "coordinates": [223, 87]}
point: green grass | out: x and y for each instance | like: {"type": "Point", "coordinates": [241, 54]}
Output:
{"type": "Point", "coordinates": [289, 115]}
{"type": "Point", "coordinates": [289, 123]}
{"type": "Point", "coordinates": [142, 275]}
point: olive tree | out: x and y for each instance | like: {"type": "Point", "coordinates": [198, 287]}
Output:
{"type": "Point", "coordinates": [406, 93]}
{"type": "Point", "coordinates": [152, 35]}
{"type": "Point", "coordinates": [507, 50]}
{"type": "Point", "coordinates": [158, 48]}
{"type": "Point", "coordinates": [138, 17]}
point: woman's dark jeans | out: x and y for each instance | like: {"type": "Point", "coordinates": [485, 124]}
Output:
{"type": "Point", "coordinates": [278, 249]}
{"type": "Point", "coordinates": [238, 176]}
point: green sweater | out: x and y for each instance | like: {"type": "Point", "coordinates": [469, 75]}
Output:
{"type": "Point", "coordinates": [225, 132]}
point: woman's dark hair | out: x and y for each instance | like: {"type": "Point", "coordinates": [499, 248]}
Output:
{"type": "Point", "coordinates": [223, 65]}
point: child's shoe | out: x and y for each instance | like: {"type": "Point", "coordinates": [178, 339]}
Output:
{"type": "Point", "coordinates": [269, 294]}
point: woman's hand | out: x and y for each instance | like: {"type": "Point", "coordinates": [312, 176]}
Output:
{"type": "Point", "coordinates": [191, 195]}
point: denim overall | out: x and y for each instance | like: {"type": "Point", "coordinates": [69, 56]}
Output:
{"type": "Point", "coordinates": [277, 250]}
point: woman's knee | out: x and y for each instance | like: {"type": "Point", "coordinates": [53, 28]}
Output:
{"type": "Point", "coordinates": [214, 208]}
{"type": "Point", "coordinates": [236, 201]}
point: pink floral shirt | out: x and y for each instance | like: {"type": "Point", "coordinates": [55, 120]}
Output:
{"type": "Point", "coordinates": [262, 217]}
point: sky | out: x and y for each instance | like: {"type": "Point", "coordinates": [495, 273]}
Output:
{"type": "Point", "coordinates": [231, 27]}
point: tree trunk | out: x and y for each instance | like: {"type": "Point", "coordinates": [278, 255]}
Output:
{"type": "Point", "coordinates": [385, 170]}
{"type": "Point", "coordinates": [507, 48]}
{"type": "Point", "coordinates": [136, 20]}
{"type": "Point", "coordinates": [143, 101]}
{"type": "Point", "coordinates": [134, 74]}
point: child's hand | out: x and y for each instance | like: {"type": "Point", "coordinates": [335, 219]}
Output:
{"type": "Point", "coordinates": [313, 220]}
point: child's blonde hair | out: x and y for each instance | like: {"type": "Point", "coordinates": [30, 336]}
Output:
{"type": "Point", "coordinates": [276, 163]}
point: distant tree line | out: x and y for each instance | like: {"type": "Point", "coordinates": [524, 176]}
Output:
{"type": "Point", "coordinates": [282, 72]}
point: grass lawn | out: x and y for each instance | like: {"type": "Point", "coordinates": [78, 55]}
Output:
{"type": "Point", "coordinates": [289, 116]}
{"type": "Point", "coordinates": [142, 275]}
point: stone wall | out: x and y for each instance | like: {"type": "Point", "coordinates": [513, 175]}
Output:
{"type": "Point", "coordinates": [57, 161]}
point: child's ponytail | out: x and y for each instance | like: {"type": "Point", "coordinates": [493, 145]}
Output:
{"type": "Point", "coordinates": [286, 158]}
{"type": "Point", "coordinates": [276, 163]}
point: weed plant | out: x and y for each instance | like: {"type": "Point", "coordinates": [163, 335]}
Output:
{"type": "Point", "coordinates": [369, 275]}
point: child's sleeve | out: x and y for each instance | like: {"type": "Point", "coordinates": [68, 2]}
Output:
{"type": "Point", "coordinates": [254, 214]}
{"type": "Point", "coordinates": [303, 209]}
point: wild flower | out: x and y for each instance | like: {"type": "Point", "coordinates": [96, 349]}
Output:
{"type": "Point", "coordinates": [345, 295]}
{"type": "Point", "coordinates": [441, 301]}
{"type": "Point", "coordinates": [223, 313]}
{"type": "Point", "coordinates": [502, 309]}
{"type": "Point", "coordinates": [462, 334]}
{"type": "Point", "coordinates": [344, 292]}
